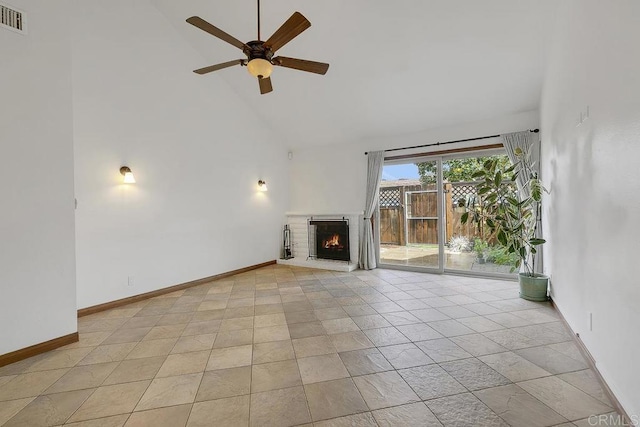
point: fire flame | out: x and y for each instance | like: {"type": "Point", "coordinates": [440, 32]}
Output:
{"type": "Point", "coordinates": [332, 242]}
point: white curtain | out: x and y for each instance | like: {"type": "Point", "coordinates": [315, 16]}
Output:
{"type": "Point", "coordinates": [526, 141]}
{"type": "Point", "coordinates": [523, 140]}
{"type": "Point", "coordinates": [367, 257]}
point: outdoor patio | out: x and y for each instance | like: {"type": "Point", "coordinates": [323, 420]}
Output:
{"type": "Point", "coordinates": [427, 256]}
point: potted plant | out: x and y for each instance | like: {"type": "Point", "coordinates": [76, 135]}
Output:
{"type": "Point", "coordinates": [480, 246]}
{"type": "Point", "coordinates": [513, 216]}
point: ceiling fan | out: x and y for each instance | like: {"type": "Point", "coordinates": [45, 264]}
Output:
{"type": "Point", "coordinates": [260, 59]}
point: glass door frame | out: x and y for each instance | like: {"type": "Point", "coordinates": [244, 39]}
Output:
{"type": "Point", "coordinates": [441, 269]}
{"type": "Point", "coordinates": [440, 229]}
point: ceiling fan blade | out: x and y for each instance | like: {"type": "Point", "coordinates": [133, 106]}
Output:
{"type": "Point", "coordinates": [265, 85]}
{"type": "Point", "coordinates": [295, 25]}
{"type": "Point", "coordinates": [196, 21]}
{"type": "Point", "coordinates": [217, 67]}
{"type": "Point", "coordinates": [301, 64]}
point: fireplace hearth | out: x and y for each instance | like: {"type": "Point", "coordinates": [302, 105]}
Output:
{"type": "Point", "coordinates": [329, 239]}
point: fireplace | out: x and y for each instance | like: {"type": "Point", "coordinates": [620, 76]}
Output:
{"type": "Point", "coordinates": [329, 239]}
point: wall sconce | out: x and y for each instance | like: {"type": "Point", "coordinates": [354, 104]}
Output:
{"type": "Point", "coordinates": [262, 185]}
{"type": "Point", "coordinates": [128, 175]}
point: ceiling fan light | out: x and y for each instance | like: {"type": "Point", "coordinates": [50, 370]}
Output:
{"type": "Point", "coordinates": [260, 68]}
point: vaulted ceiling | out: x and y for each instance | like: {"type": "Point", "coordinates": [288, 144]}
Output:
{"type": "Point", "coordinates": [396, 66]}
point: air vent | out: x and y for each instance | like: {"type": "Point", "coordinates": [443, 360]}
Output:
{"type": "Point", "coordinates": [12, 19]}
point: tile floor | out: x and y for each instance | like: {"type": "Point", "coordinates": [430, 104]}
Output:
{"type": "Point", "coordinates": [286, 346]}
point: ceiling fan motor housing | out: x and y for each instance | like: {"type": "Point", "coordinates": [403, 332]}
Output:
{"type": "Point", "coordinates": [257, 49]}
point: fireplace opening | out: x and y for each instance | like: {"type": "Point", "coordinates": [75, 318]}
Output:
{"type": "Point", "coordinates": [329, 239]}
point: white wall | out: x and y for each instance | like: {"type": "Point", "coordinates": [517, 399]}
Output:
{"type": "Point", "coordinates": [592, 170]}
{"type": "Point", "coordinates": [197, 153]}
{"type": "Point", "coordinates": [37, 266]}
{"type": "Point", "coordinates": [333, 178]}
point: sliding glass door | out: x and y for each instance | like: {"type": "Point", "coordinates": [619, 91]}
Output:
{"type": "Point", "coordinates": [422, 200]}
{"type": "Point", "coordinates": [410, 205]}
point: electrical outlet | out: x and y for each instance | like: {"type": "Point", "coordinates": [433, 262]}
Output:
{"type": "Point", "coordinates": [130, 280]}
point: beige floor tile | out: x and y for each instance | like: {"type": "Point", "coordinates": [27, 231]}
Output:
{"type": "Point", "coordinates": [113, 421]}
{"type": "Point", "coordinates": [108, 353]}
{"type": "Point", "coordinates": [419, 332]}
{"type": "Point", "coordinates": [411, 415]}
{"type": "Point", "coordinates": [364, 419]}
{"type": "Point", "coordinates": [141, 322]}
{"type": "Point", "coordinates": [145, 349]}
{"type": "Point", "coordinates": [480, 324]}
{"type": "Point", "coordinates": [170, 391]}
{"type": "Point", "coordinates": [514, 367]}
{"type": "Point", "coordinates": [564, 398]}
{"type": "Point", "coordinates": [313, 315]}
{"type": "Point", "coordinates": [443, 350]}
{"type": "Point", "coordinates": [135, 370]}
{"type": "Point", "coordinates": [313, 346]}
{"type": "Point", "coordinates": [371, 321]}
{"type": "Point", "coordinates": [11, 407]}
{"type": "Point", "coordinates": [284, 407]}
{"type": "Point", "coordinates": [349, 341]}
{"type": "Point", "coordinates": [4, 380]}
{"type": "Point", "coordinates": [50, 410]}
{"type": "Point", "coordinates": [332, 399]}
{"type": "Point", "coordinates": [127, 335]}
{"type": "Point", "coordinates": [212, 305]}
{"type": "Point", "coordinates": [477, 344]}
{"type": "Point", "coordinates": [83, 377]}
{"type": "Point", "coordinates": [230, 357]}
{"type": "Point", "coordinates": [91, 339]}
{"type": "Point", "coordinates": [30, 384]}
{"type": "Point", "coordinates": [237, 324]}
{"type": "Point", "coordinates": [194, 343]}
{"type": "Point", "coordinates": [551, 360]}
{"type": "Point", "coordinates": [225, 383]}
{"type": "Point", "coordinates": [473, 374]}
{"type": "Point", "coordinates": [321, 368]}
{"type": "Point", "coordinates": [307, 329]}
{"type": "Point", "coordinates": [202, 316]}
{"type": "Point", "coordinates": [232, 411]}
{"type": "Point", "coordinates": [518, 408]}
{"type": "Point", "coordinates": [268, 309]}
{"type": "Point", "coordinates": [275, 319]}
{"type": "Point", "coordinates": [367, 361]}
{"type": "Point", "coordinates": [271, 333]}
{"type": "Point", "coordinates": [330, 313]}
{"type": "Point", "coordinates": [385, 389]}
{"type": "Point", "coordinates": [273, 352]}
{"type": "Point", "coordinates": [275, 375]}
{"type": "Point", "coordinates": [232, 313]}
{"type": "Point", "coordinates": [233, 338]}
{"type": "Point", "coordinates": [173, 416]}
{"type": "Point", "coordinates": [464, 410]}
{"type": "Point", "coordinates": [183, 363]}
{"type": "Point", "coordinates": [405, 356]}
{"type": "Point", "coordinates": [338, 326]}
{"type": "Point", "coordinates": [60, 359]}
{"type": "Point", "coordinates": [431, 381]}
{"type": "Point", "coordinates": [385, 336]}
{"type": "Point", "coordinates": [587, 381]}
{"type": "Point", "coordinates": [111, 400]}
{"type": "Point", "coordinates": [201, 327]}
{"type": "Point", "coordinates": [163, 332]}
{"type": "Point", "coordinates": [510, 339]}
{"type": "Point", "coordinates": [175, 319]}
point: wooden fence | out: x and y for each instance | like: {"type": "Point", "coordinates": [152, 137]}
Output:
{"type": "Point", "coordinates": [408, 214]}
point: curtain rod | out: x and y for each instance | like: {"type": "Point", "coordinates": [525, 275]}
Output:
{"type": "Point", "coordinates": [448, 142]}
